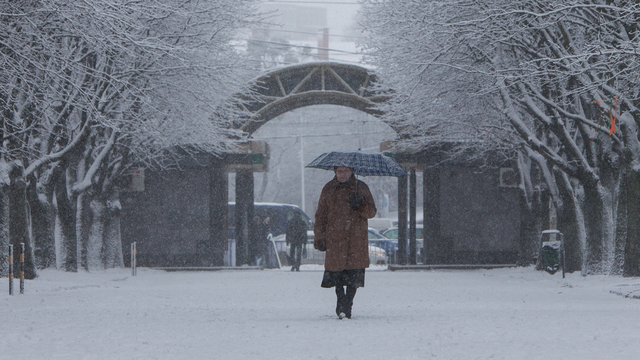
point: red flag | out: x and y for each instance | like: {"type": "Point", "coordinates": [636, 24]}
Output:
{"type": "Point", "coordinates": [613, 116]}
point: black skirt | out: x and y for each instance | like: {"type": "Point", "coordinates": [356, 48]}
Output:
{"type": "Point", "coordinates": [353, 278]}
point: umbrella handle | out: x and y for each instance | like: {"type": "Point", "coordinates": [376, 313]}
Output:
{"type": "Point", "coordinates": [356, 176]}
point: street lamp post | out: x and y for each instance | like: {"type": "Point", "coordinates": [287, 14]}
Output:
{"type": "Point", "coordinates": [302, 167]}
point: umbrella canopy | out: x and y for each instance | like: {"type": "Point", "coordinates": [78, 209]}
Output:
{"type": "Point", "coordinates": [363, 164]}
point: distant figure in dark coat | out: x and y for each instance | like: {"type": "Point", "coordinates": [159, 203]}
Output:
{"type": "Point", "coordinates": [341, 229]}
{"type": "Point", "coordinates": [261, 232]}
{"type": "Point", "coordinates": [296, 238]}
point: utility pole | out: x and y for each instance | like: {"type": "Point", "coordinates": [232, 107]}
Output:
{"type": "Point", "coordinates": [302, 167]}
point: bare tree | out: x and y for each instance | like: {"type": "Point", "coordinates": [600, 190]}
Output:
{"type": "Point", "coordinates": [92, 87]}
{"type": "Point", "coordinates": [556, 79]}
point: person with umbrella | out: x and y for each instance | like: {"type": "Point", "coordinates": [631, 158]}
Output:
{"type": "Point", "coordinates": [340, 229]}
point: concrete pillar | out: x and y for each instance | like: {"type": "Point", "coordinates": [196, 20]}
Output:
{"type": "Point", "coordinates": [244, 216]}
{"type": "Point", "coordinates": [402, 220]}
{"type": "Point", "coordinates": [413, 247]}
{"type": "Point", "coordinates": [431, 201]}
{"type": "Point", "coordinates": [218, 215]}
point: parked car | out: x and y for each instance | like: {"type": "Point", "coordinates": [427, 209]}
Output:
{"type": "Point", "coordinates": [377, 255]}
{"type": "Point", "coordinates": [392, 233]}
{"type": "Point", "coordinates": [381, 241]}
{"type": "Point", "coordinates": [375, 234]}
{"type": "Point", "coordinates": [390, 246]}
{"type": "Point", "coordinates": [279, 214]}
{"type": "Point", "coordinates": [380, 223]}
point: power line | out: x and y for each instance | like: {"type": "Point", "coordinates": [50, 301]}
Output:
{"type": "Point", "coordinates": [311, 33]}
{"type": "Point", "coordinates": [348, 122]}
{"type": "Point", "coordinates": [280, 63]}
{"type": "Point", "coordinates": [320, 135]}
{"type": "Point", "coordinates": [312, 2]}
{"type": "Point", "coordinates": [302, 46]}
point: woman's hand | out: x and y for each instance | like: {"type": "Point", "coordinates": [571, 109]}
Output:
{"type": "Point", "coordinates": [356, 202]}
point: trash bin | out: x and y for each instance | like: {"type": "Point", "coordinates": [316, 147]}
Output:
{"type": "Point", "coordinates": [551, 255]}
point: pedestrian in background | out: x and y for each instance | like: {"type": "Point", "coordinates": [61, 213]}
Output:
{"type": "Point", "coordinates": [261, 232]}
{"type": "Point", "coordinates": [296, 238]}
{"type": "Point", "coordinates": [341, 229]}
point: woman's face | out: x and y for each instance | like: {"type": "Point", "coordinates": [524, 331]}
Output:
{"type": "Point", "coordinates": [343, 173]}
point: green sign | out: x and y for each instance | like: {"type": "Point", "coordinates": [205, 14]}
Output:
{"type": "Point", "coordinates": [257, 158]}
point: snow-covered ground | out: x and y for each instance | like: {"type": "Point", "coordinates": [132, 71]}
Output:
{"type": "Point", "coordinates": [514, 313]}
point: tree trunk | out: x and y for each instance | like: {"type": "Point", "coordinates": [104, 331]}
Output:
{"type": "Point", "coordinates": [528, 238]}
{"type": "Point", "coordinates": [19, 221]}
{"type": "Point", "coordinates": [595, 218]}
{"type": "Point", "coordinates": [620, 225]}
{"type": "Point", "coordinates": [631, 216]}
{"type": "Point", "coordinates": [569, 215]}
{"type": "Point", "coordinates": [95, 236]}
{"type": "Point", "coordinates": [4, 223]}
{"type": "Point", "coordinates": [535, 204]}
{"type": "Point", "coordinates": [112, 237]}
{"type": "Point", "coordinates": [83, 225]}
{"type": "Point", "coordinates": [42, 224]}
{"type": "Point", "coordinates": [629, 199]}
{"type": "Point", "coordinates": [66, 219]}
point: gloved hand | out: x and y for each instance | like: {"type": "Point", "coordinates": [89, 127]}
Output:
{"type": "Point", "coordinates": [356, 202]}
{"type": "Point", "coordinates": [322, 248]}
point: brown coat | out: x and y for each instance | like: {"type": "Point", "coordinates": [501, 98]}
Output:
{"type": "Point", "coordinates": [342, 230]}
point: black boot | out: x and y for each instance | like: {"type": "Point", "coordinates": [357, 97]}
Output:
{"type": "Point", "coordinates": [348, 300]}
{"type": "Point", "coordinates": [341, 302]}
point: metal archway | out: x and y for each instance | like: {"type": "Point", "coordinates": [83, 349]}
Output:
{"type": "Point", "coordinates": [297, 86]}
{"type": "Point", "coordinates": [317, 83]}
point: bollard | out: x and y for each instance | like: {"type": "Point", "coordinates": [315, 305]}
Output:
{"type": "Point", "coordinates": [21, 268]}
{"type": "Point", "coordinates": [10, 269]}
{"type": "Point", "coordinates": [134, 265]}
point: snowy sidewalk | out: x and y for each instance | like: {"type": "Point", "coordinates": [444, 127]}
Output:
{"type": "Point", "coordinates": [510, 313]}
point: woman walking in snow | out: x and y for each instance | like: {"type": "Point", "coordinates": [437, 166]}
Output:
{"type": "Point", "coordinates": [340, 229]}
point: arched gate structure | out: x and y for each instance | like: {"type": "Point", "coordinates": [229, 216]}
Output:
{"type": "Point", "coordinates": [320, 83]}
{"type": "Point", "coordinates": [179, 218]}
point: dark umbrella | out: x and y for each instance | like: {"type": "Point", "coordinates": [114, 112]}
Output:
{"type": "Point", "coordinates": [362, 163]}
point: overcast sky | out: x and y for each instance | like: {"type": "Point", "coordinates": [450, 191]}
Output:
{"type": "Point", "coordinates": [339, 12]}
